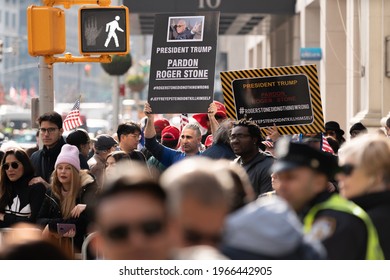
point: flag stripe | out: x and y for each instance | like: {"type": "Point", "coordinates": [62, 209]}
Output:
{"type": "Point", "coordinates": [73, 119]}
{"type": "Point", "coordinates": [325, 145]}
{"type": "Point", "coordinates": [183, 121]}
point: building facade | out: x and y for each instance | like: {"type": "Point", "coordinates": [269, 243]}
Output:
{"type": "Point", "coordinates": [354, 72]}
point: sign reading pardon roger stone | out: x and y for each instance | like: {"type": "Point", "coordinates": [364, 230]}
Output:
{"type": "Point", "coordinates": [183, 62]}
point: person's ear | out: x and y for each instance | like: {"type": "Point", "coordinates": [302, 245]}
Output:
{"type": "Point", "coordinates": [61, 131]}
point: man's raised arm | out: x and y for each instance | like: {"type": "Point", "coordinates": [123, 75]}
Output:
{"type": "Point", "coordinates": [150, 131]}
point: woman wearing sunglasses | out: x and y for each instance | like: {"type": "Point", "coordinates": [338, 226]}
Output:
{"type": "Point", "coordinates": [65, 210]}
{"type": "Point", "coordinates": [365, 179]}
{"type": "Point", "coordinates": [19, 202]}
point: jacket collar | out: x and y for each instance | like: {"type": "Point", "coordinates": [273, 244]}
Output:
{"type": "Point", "coordinates": [372, 200]}
{"type": "Point", "coordinates": [56, 149]}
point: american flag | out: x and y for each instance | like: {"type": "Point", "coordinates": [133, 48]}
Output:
{"type": "Point", "coordinates": [73, 119]}
{"type": "Point", "coordinates": [325, 145]}
{"type": "Point", "coordinates": [183, 121]}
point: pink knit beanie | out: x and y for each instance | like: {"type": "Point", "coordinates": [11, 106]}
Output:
{"type": "Point", "coordinates": [69, 154]}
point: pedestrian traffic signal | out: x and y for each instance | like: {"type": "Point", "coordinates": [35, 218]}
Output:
{"type": "Point", "coordinates": [104, 30]}
{"type": "Point", "coordinates": [45, 30]}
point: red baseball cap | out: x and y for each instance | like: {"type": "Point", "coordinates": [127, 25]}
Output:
{"type": "Point", "coordinates": [161, 123]}
{"type": "Point", "coordinates": [203, 118]}
{"type": "Point", "coordinates": [170, 133]}
{"type": "Point", "coordinates": [209, 141]}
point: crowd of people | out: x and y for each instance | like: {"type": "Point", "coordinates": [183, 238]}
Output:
{"type": "Point", "coordinates": [235, 191]}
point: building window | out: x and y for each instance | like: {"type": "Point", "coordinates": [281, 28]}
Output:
{"type": "Point", "coordinates": [6, 19]}
{"type": "Point", "coordinates": [13, 21]}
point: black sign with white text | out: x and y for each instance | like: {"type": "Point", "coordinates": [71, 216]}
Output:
{"type": "Point", "coordinates": [183, 62]}
{"type": "Point", "coordinates": [280, 100]}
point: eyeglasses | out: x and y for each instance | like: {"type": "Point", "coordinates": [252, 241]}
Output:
{"type": "Point", "coordinates": [194, 237]}
{"type": "Point", "coordinates": [179, 25]}
{"type": "Point", "coordinates": [147, 228]}
{"type": "Point", "coordinates": [238, 136]}
{"type": "Point", "coordinates": [14, 165]}
{"type": "Point", "coordinates": [347, 169]}
{"type": "Point", "coordinates": [49, 130]}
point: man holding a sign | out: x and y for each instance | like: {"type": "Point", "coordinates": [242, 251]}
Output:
{"type": "Point", "coordinates": [190, 140]}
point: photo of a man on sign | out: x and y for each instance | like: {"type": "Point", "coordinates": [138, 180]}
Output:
{"type": "Point", "coordinates": [185, 29]}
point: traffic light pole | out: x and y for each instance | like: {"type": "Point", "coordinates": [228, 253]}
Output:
{"type": "Point", "coordinates": [54, 44]}
{"type": "Point", "coordinates": [46, 86]}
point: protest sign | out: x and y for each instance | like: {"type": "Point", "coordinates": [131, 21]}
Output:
{"type": "Point", "coordinates": [183, 62]}
{"type": "Point", "coordinates": [288, 97]}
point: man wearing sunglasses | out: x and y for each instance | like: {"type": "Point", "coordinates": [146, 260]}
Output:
{"type": "Point", "coordinates": [50, 131]}
{"type": "Point", "coordinates": [131, 219]}
{"type": "Point", "coordinates": [344, 228]}
{"type": "Point", "coordinates": [183, 32]}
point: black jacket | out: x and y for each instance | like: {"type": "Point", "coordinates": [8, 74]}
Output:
{"type": "Point", "coordinates": [44, 159]}
{"type": "Point", "coordinates": [50, 213]}
{"type": "Point", "coordinates": [23, 203]}
{"type": "Point", "coordinates": [377, 206]}
{"type": "Point", "coordinates": [343, 235]}
{"type": "Point", "coordinates": [218, 151]}
{"type": "Point", "coordinates": [258, 170]}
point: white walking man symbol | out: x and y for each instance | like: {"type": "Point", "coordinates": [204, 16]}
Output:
{"type": "Point", "coordinates": [111, 28]}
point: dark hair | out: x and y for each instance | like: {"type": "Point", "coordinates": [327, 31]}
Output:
{"type": "Point", "coordinates": [170, 143]}
{"type": "Point", "coordinates": [78, 138]}
{"type": "Point", "coordinates": [253, 129]}
{"type": "Point", "coordinates": [127, 184]}
{"type": "Point", "coordinates": [52, 117]}
{"type": "Point", "coordinates": [35, 250]}
{"type": "Point", "coordinates": [127, 128]}
{"type": "Point", "coordinates": [119, 156]}
{"type": "Point", "coordinates": [5, 183]}
{"type": "Point", "coordinates": [388, 122]}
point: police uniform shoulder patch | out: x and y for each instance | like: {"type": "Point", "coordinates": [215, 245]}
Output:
{"type": "Point", "coordinates": [322, 228]}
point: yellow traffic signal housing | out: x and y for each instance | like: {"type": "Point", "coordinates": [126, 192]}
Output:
{"type": "Point", "coordinates": [45, 30]}
{"type": "Point", "coordinates": [104, 30]}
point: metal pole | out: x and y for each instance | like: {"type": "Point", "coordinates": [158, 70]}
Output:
{"type": "Point", "coordinates": [46, 87]}
{"type": "Point", "coordinates": [115, 103]}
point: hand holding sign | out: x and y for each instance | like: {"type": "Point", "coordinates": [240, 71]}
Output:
{"type": "Point", "coordinates": [212, 110]}
{"type": "Point", "coordinates": [148, 110]}
{"type": "Point", "coordinates": [272, 133]}
{"type": "Point", "coordinates": [150, 130]}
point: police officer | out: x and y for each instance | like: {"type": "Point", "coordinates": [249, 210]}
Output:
{"type": "Point", "coordinates": [344, 228]}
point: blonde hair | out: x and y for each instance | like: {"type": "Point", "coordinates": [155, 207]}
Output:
{"type": "Point", "coordinates": [67, 203]}
{"type": "Point", "coordinates": [371, 153]}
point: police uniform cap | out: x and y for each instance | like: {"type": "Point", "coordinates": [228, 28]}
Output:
{"type": "Point", "coordinates": [291, 155]}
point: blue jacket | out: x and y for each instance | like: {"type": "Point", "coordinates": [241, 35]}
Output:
{"type": "Point", "coordinates": [165, 155]}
